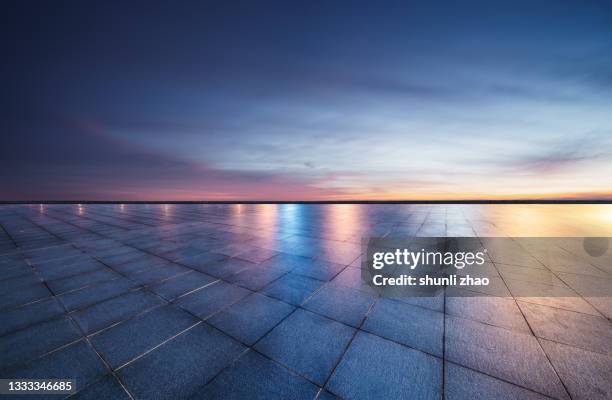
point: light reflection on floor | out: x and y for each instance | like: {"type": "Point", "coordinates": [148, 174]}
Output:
{"type": "Point", "coordinates": [265, 301]}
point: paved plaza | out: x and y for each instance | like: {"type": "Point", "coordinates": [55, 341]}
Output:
{"type": "Point", "coordinates": [266, 301]}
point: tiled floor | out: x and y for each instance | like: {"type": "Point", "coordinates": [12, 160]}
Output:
{"type": "Point", "coordinates": [266, 301]}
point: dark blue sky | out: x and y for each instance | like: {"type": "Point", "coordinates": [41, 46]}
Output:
{"type": "Point", "coordinates": [306, 100]}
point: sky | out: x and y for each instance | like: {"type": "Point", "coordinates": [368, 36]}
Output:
{"type": "Point", "coordinates": [317, 100]}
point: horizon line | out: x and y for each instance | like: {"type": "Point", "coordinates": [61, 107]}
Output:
{"type": "Point", "coordinates": [366, 201]}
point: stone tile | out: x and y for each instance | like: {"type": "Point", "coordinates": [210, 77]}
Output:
{"type": "Point", "coordinates": [253, 376]}
{"type": "Point", "coordinates": [178, 285]}
{"type": "Point", "coordinates": [61, 269]}
{"type": "Point", "coordinates": [496, 287]}
{"type": "Point", "coordinates": [375, 368]}
{"type": "Point", "coordinates": [566, 262]}
{"type": "Point", "coordinates": [93, 294]}
{"type": "Point", "coordinates": [351, 278]}
{"type": "Point", "coordinates": [15, 270]}
{"type": "Point", "coordinates": [77, 361]}
{"type": "Point", "coordinates": [318, 269]}
{"type": "Point", "coordinates": [293, 289]}
{"type": "Point", "coordinates": [413, 326]}
{"type": "Point", "coordinates": [498, 311]}
{"type": "Point", "coordinates": [157, 273]}
{"type": "Point", "coordinates": [251, 318]}
{"type": "Point", "coordinates": [314, 241]}
{"type": "Point", "coordinates": [212, 299]}
{"type": "Point", "coordinates": [256, 278]}
{"type": "Point", "coordinates": [509, 355]}
{"type": "Point", "coordinates": [548, 295]}
{"type": "Point", "coordinates": [30, 314]}
{"type": "Point", "coordinates": [434, 302]}
{"type": "Point", "coordinates": [225, 268]}
{"type": "Point", "coordinates": [255, 254]}
{"type": "Point", "coordinates": [307, 343]}
{"type": "Point", "coordinates": [142, 263]}
{"type": "Point", "coordinates": [178, 368]}
{"type": "Point", "coordinates": [106, 388]}
{"type": "Point", "coordinates": [342, 304]}
{"type": "Point", "coordinates": [114, 310]}
{"type": "Point", "coordinates": [11, 284]}
{"type": "Point", "coordinates": [29, 343]}
{"type": "Point", "coordinates": [585, 374]}
{"type": "Point", "coordinates": [536, 275]}
{"type": "Point", "coordinates": [466, 384]}
{"type": "Point", "coordinates": [183, 252]}
{"type": "Point", "coordinates": [325, 395]}
{"type": "Point", "coordinates": [23, 295]}
{"type": "Point", "coordinates": [59, 286]}
{"type": "Point", "coordinates": [129, 339]}
{"type": "Point", "coordinates": [596, 290]}
{"type": "Point", "coordinates": [579, 330]}
{"type": "Point", "coordinates": [129, 255]}
{"type": "Point", "coordinates": [202, 262]}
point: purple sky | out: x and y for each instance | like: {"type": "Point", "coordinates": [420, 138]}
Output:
{"type": "Point", "coordinates": [306, 101]}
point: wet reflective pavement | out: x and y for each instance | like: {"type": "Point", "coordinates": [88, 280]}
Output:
{"type": "Point", "coordinates": [266, 301]}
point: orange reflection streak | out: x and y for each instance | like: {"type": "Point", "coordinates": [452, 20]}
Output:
{"type": "Point", "coordinates": [345, 222]}
{"type": "Point", "coordinates": [237, 214]}
{"type": "Point", "coordinates": [550, 219]}
{"type": "Point", "coordinates": [166, 211]}
{"type": "Point", "coordinates": [266, 223]}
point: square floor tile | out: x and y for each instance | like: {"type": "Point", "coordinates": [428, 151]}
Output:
{"type": "Point", "coordinates": [257, 277]}
{"type": "Point", "coordinates": [308, 344]}
{"type": "Point", "coordinates": [255, 254]}
{"type": "Point", "coordinates": [106, 313]}
{"type": "Point", "coordinates": [63, 285]}
{"type": "Point", "coordinates": [178, 368]}
{"type": "Point", "coordinates": [131, 338]}
{"type": "Point", "coordinates": [90, 295]}
{"type": "Point", "coordinates": [77, 361]}
{"type": "Point", "coordinates": [202, 262]}
{"type": "Point", "coordinates": [142, 263]}
{"type": "Point", "coordinates": [509, 355]}
{"type": "Point", "coordinates": [224, 268]}
{"type": "Point", "coordinates": [181, 284]}
{"type": "Point", "coordinates": [64, 268]}
{"type": "Point", "coordinates": [341, 304]}
{"type": "Point", "coordinates": [251, 318]}
{"type": "Point", "coordinates": [466, 384]}
{"type": "Point", "coordinates": [498, 311]}
{"type": "Point", "coordinates": [293, 289]}
{"type": "Point", "coordinates": [11, 284]}
{"type": "Point", "coordinates": [157, 273]}
{"type": "Point", "coordinates": [23, 295]}
{"type": "Point", "coordinates": [212, 299]}
{"type": "Point", "coordinates": [105, 388]}
{"type": "Point", "coordinates": [36, 340]}
{"type": "Point", "coordinates": [352, 278]}
{"type": "Point", "coordinates": [318, 269]}
{"type": "Point", "coordinates": [375, 368]}
{"type": "Point", "coordinates": [413, 326]}
{"type": "Point", "coordinates": [585, 374]}
{"type": "Point", "coordinates": [30, 314]}
{"type": "Point", "coordinates": [580, 330]}
{"type": "Point", "coordinates": [253, 377]}
{"type": "Point", "coordinates": [549, 295]}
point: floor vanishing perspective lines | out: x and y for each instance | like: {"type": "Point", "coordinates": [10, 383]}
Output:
{"type": "Point", "coordinates": [264, 301]}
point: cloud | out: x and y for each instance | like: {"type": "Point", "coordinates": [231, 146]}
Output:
{"type": "Point", "coordinates": [81, 161]}
{"type": "Point", "coordinates": [561, 155]}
